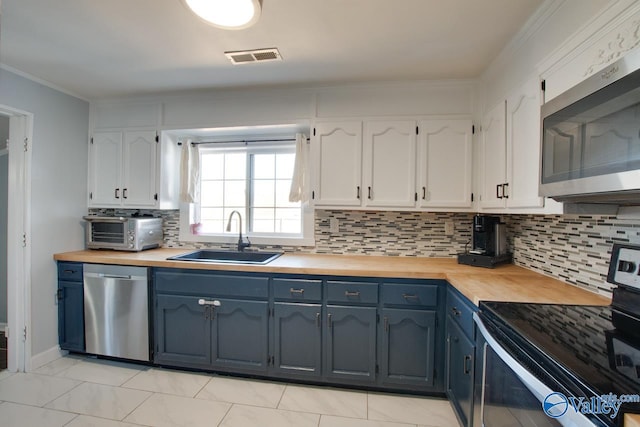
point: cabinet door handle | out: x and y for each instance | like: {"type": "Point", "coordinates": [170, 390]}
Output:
{"type": "Point", "coordinates": [329, 323]}
{"type": "Point", "coordinates": [386, 324]}
{"type": "Point", "coordinates": [369, 193]}
{"type": "Point", "coordinates": [499, 191]}
{"type": "Point", "coordinates": [505, 186]}
{"type": "Point", "coordinates": [117, 193]}
{"type": "Point", "coordinates": [409, 296]}
{"type": "Point", "coordinates": [424, 193]}
{"type": "Point", "coordinates": [124, 193]}
{"type": "Point", "coordinates": [297, 291]}
{"type": "Point", "coordinates": [214, 303]}
{"type": "Point", "coordinates": [466, 366]}
{"type": "Point", "coordinates": [351, 293]}
{"type": "Point", "coordinates": [358, 192]}
{"type": "Point", "coordinates": [69, 271]}
{"type": "Point", "coordinates": [318, 320]}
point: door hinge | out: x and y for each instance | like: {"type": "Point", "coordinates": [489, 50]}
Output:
{"type": "Point", "coordinates": [24, 334]}
{"type": "Point", "coordinates": [26, 144]}
{"type": "Point", "coordinates": [417, 130]}
{"type": "Point", "coordinates": [24, 240]}
{"type": "Point", "coordinates": [543, 85]}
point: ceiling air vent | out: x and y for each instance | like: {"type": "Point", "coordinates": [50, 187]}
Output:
{"type": "Point", "coordinates": [257, 55]}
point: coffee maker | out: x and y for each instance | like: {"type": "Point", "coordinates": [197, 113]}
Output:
{"type": "Point", "coordinates": [489, 243]}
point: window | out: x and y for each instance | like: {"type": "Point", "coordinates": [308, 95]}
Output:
{"type": "Point", "coordinates": [254, 180]}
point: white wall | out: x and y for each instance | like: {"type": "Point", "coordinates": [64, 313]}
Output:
{"type": "Point", "coordinates": [58, 192]}
{"type": "Point", "coordinates": [4, 175]}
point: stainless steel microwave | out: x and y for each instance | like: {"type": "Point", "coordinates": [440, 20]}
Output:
{"type": "Point", "coordinates": [123, 233]}
{"type": "Point", "coordinates": [591, 138]}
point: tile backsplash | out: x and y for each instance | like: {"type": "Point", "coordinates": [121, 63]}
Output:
{"type": "Point", "coordinates": [572, 248]}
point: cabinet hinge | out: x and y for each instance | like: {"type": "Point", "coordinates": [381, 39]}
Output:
{"type": "Point", "coordinates": [435, 374]}
{"type": "Point", "coordinates": [155, 196]}
{"type": "Point", "coordinates": [314, 131]}
{"type": "Point", "coordinates": [90, 196]}
{"type": "Point", "coordinates": [473, 129]}
{"type": "Point", "coordinates": [24, 334]}
{"type": "Point", "coordinates": [377, 369]}
{"type": "Point", "coordinates": [26, 144]}
{"type": "Point", "coordinates": [91, 140]}
{"type": "Point", "coordinates": [471, 197]}
{"type": "Point", "coordinates": [271, 361]}
{"type": "Point", "coordinates": [417, 130]}
{"type": "Point", "coordinates": [436, 322]}
{"type": "Point", "coordinates": [377, 318]}
{"type": "Point", "coordinates": [415, 197]}
{"type": "Point", "coordinates": [157, 137]}
{"type": "Point", "coordinates": [24, 240]}
{"type": "Point", "coordinates": [543, 85]}
{"type": "Point", "coordinates": [313, 195]}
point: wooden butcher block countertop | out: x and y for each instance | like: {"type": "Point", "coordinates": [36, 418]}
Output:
{"type": "Point", "coordinates": [504, 283]}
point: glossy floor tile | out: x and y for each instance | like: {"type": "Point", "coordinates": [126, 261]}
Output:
{"type": "Point", "coordinates": [243, 391]}
{"type": "Point", "coordinates": [13, 414]}
{"type": "Point", "coordinates": [77, 391]}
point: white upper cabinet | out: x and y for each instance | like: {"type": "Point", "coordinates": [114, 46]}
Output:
{"type": "Point", "coordinates": [139, 172]}
{"type": "Point", "coordinates": [445, 164]}
{"type": "Point", "coordinates": [493, 158]}
{"type": "Point", "coordinates": [336, 149]}
{"type": "Point", "coordinates": [390, 164]}
{"type": "Point", "coordinates": [105, 165]}
{"type": "Point", "coordinates": [131, 169]}
{"type": "Point", "coordinates": [523, 147]}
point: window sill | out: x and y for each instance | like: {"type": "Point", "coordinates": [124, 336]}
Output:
{"type": "Point", "coordinates": [255, 240]}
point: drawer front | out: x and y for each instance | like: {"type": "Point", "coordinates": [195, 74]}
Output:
{"type": "Point", "coordinates": [461, 311]}
{"type": "Point", "coordinates": [409, 295]}
{"type": "Point", "coordinates": [297, 290]}
{"type": "Point", "coordinates": [214, 285]}
{"type": "Point", "coordinates": [70, 271]}
{"type": "Point", "coordinates": [352, 292]}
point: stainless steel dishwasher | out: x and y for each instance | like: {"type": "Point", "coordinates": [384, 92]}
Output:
{"type": "Point", "coordinates": [116, 311]}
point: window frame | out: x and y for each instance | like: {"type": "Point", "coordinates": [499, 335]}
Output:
{"type": "Point", "coordinates": [188, 210]}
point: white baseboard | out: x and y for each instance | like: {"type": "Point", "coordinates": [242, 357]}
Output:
{"type": "Point", "coordinates": [45, 357]}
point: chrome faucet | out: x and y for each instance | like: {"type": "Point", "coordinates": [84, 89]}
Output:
{"type": "Point", "coordinates": [241, 244]}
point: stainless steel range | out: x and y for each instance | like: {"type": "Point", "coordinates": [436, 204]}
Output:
{"type": "Point", "coordinates": [569, 365]}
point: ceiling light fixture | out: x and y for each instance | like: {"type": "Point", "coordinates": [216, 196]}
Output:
{"type": "Point", "coordinates": [227, 14]}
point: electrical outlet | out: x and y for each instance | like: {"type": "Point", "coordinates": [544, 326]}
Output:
{"type": "Point", "coordinates": [448, 228]}
{"type": "Point", "coordinates": [334, 225]}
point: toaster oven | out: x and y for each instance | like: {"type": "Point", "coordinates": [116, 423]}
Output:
{"type": "Point", "coordinates": [123, 233]}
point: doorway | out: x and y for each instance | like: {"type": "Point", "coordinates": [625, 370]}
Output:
{"type": "Point", "coordinates": [16, 226]}
{"type": "Point", "coordinates": [4, 187]}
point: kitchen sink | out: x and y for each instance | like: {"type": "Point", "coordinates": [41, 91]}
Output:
{"type": "Point", "coordinates": [236, 257]}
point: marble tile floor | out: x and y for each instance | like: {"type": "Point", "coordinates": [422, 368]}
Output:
{"type": "Point", "coordinates": [84, 392]}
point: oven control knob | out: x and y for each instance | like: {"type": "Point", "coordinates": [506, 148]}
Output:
{"type": "Point", "coordinates": [626, 266]}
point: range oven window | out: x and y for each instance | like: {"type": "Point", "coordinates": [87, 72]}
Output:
{"type": "Point", "coordinates": [107, 232]}
{"type": "Point", "coordinates": [506, 400]}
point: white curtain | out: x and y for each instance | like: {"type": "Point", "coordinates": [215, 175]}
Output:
{"type": "Point", "coordinates": [190, 173]}
{"type": "Point", "coordinates": [300, 181]}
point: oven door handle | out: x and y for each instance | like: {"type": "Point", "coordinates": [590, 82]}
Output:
{"type": "Point", "coordinates": [539, 389]}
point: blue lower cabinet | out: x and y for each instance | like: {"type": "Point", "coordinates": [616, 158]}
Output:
{"type": "Point", "coordinates": [239, 336]}
{"type": "Point", "coordinates": [408, 347]}
{"type": "Point", "coordinates": [297, 330]}
{"type": "Point", "coordinates": [460, 371]}
{"type": "Point", "coordinates": [71, 315]}
{"type": "Point", "coordinates": [350, 344]}
{"type": "Point", "coordinates": [182, 332]}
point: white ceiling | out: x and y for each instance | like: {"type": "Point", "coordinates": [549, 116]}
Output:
{"type": "Point", "coordinates": [110, 48]}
